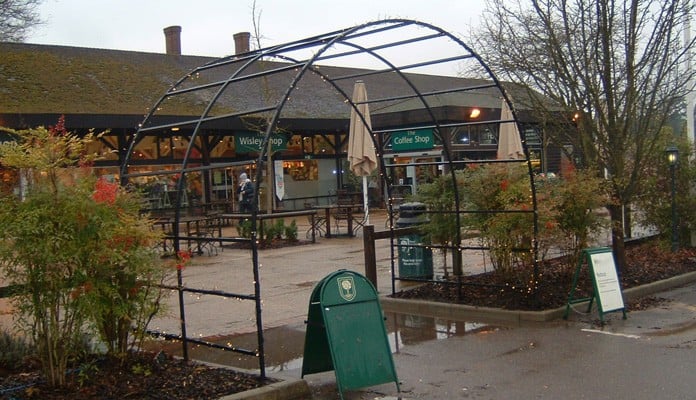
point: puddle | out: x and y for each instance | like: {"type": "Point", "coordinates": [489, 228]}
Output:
{"type": "Point", "coordinates": [284, 345]}
{"type": "Point", "coordinates": [407, 329]}
{"type": "Point", "coordinates": [284, 348]}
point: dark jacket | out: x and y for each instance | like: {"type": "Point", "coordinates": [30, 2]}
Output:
{"type": "Point", "coordinates": [246, 195]}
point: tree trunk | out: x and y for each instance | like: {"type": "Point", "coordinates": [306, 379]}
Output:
{"type": "Point", "coordinates": [617, 236]}
{"type": "Point", "coordinates": [457, 269]}
{"type": "Point", "coordinates": [444, 263]}
{"type": "Point", "coordinates": [628, 232]}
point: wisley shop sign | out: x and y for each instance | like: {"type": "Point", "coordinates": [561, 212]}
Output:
{"type": "Point", "coordinates": [416, 139]}
{"type": "Point", "coordinates": [250, 142]}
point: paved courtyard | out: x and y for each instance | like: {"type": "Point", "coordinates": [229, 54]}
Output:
{"type": "Point", "coordinates": [649, 355]}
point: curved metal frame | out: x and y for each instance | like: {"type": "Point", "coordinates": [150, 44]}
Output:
{"type": "Point", "coordinates": [254, 66]}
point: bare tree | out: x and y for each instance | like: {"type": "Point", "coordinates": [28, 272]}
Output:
{"type": "Point", "coordinates": [267, 96]}
{"type": "Point", "coordinates": [17, 18]}
{"type": "Point", "coordinates": [615, 68]}
{"type": "Point", "coordinates": [256, 21]}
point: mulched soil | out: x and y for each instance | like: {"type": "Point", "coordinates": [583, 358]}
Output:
{"type": "Point", "coordinates": [158, 376]}
{"type": "Point", "coordinates": [144, 375]}
{"type": "Point", "coordinates": [645, 263]}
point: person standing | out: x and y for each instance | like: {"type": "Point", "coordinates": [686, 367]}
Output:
{"type": "Point", "coordinates": [245, 194]}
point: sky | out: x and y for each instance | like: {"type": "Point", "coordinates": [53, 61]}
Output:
{"type": "Point", "coordinates": [208, 26]}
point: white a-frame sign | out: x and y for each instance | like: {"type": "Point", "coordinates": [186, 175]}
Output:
{"type": "Point", "coordinates": [605, 283]}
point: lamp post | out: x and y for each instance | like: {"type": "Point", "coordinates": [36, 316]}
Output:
{"type": "Point", "coordinates": [673, 158]}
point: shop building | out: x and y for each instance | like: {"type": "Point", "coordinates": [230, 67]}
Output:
{"type": "Point", "coordinates": [112, 91]}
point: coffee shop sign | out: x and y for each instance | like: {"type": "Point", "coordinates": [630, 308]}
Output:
{"type": "Point", "coordinates": [414, 139]}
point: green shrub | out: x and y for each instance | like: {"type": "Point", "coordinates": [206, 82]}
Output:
{"type": "Point", "coordinates": [271, 231]}
{"type": "Point", "coordinates": [572, 204]}
{"type": "Point", "coordinates": [80, 247]}
{"type": "Point", "coordinates": [13, 350]}
{"type": "Point", "coordinates": [291, 231]}
{"type": "Point", "coordinates": [441, 226]}
{"type": "Point", "coordinates": [277, 230]}
{"type": "Point", "coordinates": [244, 228]}
{"type": "Point", "coordinates": [495, 204]}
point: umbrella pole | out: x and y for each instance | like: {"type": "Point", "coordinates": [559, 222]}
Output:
{"type": "Point", "coordinates": [365, 200]}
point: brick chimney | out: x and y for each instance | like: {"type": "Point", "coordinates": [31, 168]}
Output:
{"type": "Point", "coordinates": [241, 42]}
{"type": "Point", "coordinates": [172, 37]}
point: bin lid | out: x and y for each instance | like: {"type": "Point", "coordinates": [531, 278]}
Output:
{"type": "Point", "coordinates": [411, 209]}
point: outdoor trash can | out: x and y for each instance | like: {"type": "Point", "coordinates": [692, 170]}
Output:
{"type": "Point", "coordinates": [415, 259]}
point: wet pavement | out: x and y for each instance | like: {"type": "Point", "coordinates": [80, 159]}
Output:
{"type": "Point", "coordinates": [649, 355]}
{"type": "Point", "coordinates": [287, 278]}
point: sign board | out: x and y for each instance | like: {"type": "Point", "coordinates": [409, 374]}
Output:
{"type": "Point", "coordinates": [414, 139]}
{"type": "Point", "coordinates": [415, 259]}
{"type": "Point", "coordinates": [346, 333]}
{"type": "Point", "coordinates": [605, 282]}
{"type": "Point", "coordinates": [250, 142]}
{"type": "Point", "coordinates": [279, 179]}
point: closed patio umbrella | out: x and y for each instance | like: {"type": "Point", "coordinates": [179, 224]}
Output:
{"type": "Point", "coordinates": [509, 141]}
{"type": "Point", "coordinates": [361, 150]}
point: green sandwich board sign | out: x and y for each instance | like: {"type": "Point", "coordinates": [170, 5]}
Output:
{"type": "Point", "coordinates": [414, 139]}
{"type": "Point", "coordinates": [346, 333]}
{"type": "Point", "coordinates": [605, 283]}
{"type": "Point", "coordinates": [250, 142]}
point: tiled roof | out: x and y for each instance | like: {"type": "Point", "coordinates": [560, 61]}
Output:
{"type": "Point", "coordinates": [47, 79]}
{"type": "Point", "coordinates": [72, 80]}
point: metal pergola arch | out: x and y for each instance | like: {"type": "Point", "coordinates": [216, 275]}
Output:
{"type": "Point", "coordinates": [259, 91]}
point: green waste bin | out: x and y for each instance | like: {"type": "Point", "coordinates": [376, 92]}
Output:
{"type": "Point", "coordinates": [415, 260]}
